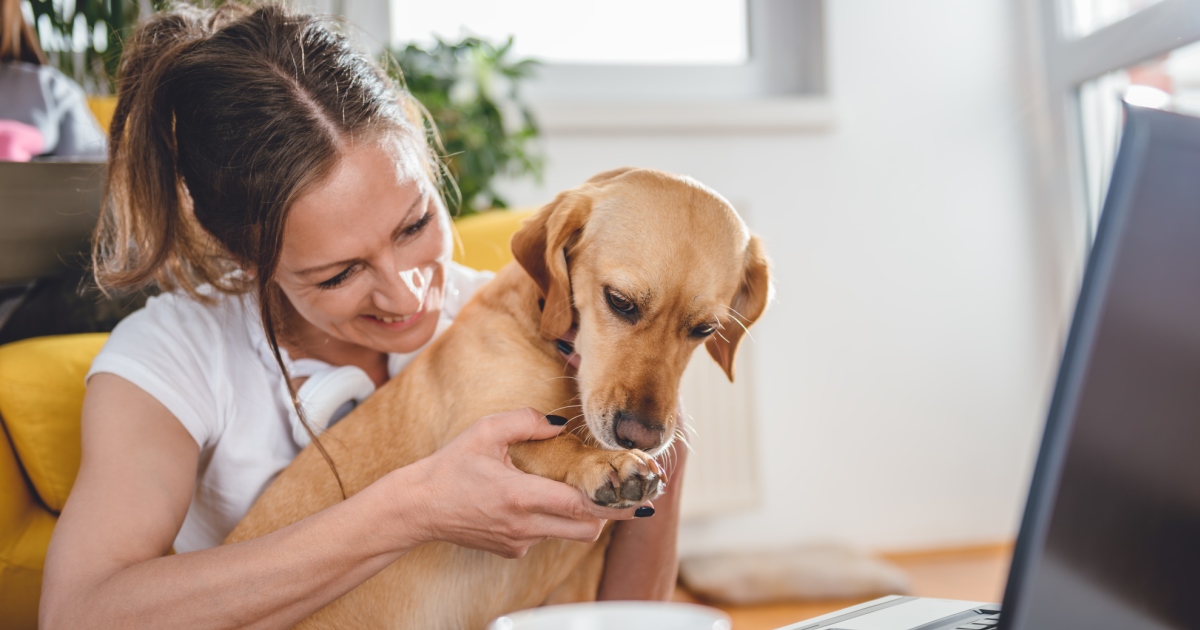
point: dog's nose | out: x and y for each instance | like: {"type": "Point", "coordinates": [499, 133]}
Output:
{"type": "Point", "coordinates": [633, 431]}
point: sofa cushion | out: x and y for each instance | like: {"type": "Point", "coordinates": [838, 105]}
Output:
{"type": "Point", "coordinates": [41, 399]}
{"type": "Point", "coordinates": [483, 238]}
{"type": "Point", "coordinates": [25, 528]}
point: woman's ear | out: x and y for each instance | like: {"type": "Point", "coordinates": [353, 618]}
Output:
{"type": "Point", "coordinates": [748, 305]}
{"type": "Point", "coordinates": [540, 248]}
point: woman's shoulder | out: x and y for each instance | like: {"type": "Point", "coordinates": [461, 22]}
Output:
{"type": "Point", "coordinates": [182, 350]}
{"type": "Point", "coordinates": [199, 332]}
{"type": "Point", "coordinates": [205, 315]}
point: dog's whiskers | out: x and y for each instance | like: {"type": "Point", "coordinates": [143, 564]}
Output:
{"type": "Point", "coordinates": [735, 312]}
{"type": "Point", "coordinates": [687, 427]}
{"type": "Point", "coordinates": [580, 431]}
{"type": "Point", "coordinates": [684, 431]}
{"type": "Point", "coordinates": [562, 407]}
{"type": "Point", "coordinates": [688, 445]}
{"type": "Point", "coordinates": [566, 376]}
{"type": "Point", "coordinates": [568, 363]}
{"type": "Point", "coordinates": [738, 318]}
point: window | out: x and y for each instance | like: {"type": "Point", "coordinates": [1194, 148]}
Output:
{"type": "Point", "coordinates": [1093, 54]}
{"type": "Point", "coordinates": [1082, 17]}
{"type": "Point", "coordinates": [1170, 81]}
{"type": "Point", "coordinates": [666, 32]}
{"type": "Point", "coordinates": [650, 63]}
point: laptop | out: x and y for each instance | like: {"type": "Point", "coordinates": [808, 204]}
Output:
{"type": "Point", "coordinates": [47, 213]}
{"type": "Point", "coordinates": [1111, 532]}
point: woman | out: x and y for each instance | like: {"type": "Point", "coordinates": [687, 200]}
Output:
{"type": "Point", "coordinates": [42, 112]}
{"type": "Point", "coordinates": [273, 183]}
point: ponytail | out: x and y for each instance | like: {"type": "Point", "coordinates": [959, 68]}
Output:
{"type": "Point", "coordinates": [148, 231]}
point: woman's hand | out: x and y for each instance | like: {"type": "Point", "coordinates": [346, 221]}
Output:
{"type": "Point", "coordinates": [470, 494]}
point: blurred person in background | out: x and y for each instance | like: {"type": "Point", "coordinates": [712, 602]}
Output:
{"type": "Point", "coordinates": [42, 112]}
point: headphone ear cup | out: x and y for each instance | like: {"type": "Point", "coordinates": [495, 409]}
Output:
{"type": "Point", "coordinates": [327, 396]}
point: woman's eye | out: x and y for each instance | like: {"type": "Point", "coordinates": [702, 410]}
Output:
{"type": "Point", "coordinates": [415, 228]}
{"type": "Point", "coordinates": [621, 304]}
{"type": "Point", "coordinates": [337, 280]}
{"type": "Point", "coordinates": [704, 330]}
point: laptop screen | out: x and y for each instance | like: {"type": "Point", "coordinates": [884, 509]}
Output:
{"type": "Point", "coordinates": [1111, 534]}
{"type": "Point", "coordinates": [47, 213]}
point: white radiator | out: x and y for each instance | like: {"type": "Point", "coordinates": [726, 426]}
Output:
{"type": "Point", "coordinates": [722, 470]}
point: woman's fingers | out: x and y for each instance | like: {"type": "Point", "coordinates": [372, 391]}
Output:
{"type": "Point", "coordinates": [546, 496]}
{"type": "Point", "coordinates": [521, 425]}
{"type": "Point", "coordinates": [566, 528]}
{"type": "Point", "coordinates": [486, 503]}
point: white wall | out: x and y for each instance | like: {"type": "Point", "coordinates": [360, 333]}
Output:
{"type": "Point", "coordinates": [906, 363]}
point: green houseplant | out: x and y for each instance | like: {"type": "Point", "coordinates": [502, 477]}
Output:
{"type": "Point", "coordinates": [83, 37]}
{"type": "Point", "coordinates": [471, 89]}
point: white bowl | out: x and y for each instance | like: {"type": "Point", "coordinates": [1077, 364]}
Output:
{"type": "Point", "coordinates": [615, 616]}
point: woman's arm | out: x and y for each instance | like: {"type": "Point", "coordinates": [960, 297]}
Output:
{"type": "Point", "coordinates": [642, 560]}
{"type": "Point", "coordinates": [107, 563]}
{"type": "Point", "coordinates": [106, 566]}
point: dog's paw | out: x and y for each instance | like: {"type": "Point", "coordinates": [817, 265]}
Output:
{"type": "Point", "coordinates": [618, 479]}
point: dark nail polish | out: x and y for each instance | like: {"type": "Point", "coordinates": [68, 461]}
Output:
{"type": "Point", "coordinates": [557, 421]}
{"type": "Point", "coordinates": [565, 347]}
{"type": "Point", "coordinates": [644, 511]}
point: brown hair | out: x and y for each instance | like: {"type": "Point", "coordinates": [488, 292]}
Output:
{"type": "Point", "coordinates": [17, 39]}
{"type": "Point", "coordinates": [224, 118]}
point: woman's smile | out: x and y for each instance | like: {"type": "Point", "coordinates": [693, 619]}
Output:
{"type": "Point", "coordinates": [394, 323]}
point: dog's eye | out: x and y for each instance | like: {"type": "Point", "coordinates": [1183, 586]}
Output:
{"type": "Point", "coordinates": [703, 330]}
{"type": "Point", "coordinates": [621, 304]}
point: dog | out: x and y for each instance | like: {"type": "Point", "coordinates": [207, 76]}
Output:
{"type": "Point", "coordinates": [643, 266]}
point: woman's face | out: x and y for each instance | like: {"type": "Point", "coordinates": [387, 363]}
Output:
{"type": "Point", "coordinates": [364, 251]}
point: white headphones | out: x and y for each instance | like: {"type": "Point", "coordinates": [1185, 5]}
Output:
{"type": "Point", "coordinates": [327, 396]}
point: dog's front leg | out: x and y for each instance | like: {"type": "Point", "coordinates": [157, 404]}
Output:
{"type": "Point", "coordinates": [618, 479]}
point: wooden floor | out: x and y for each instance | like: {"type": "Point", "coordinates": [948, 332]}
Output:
{"type": "Point", "coordinates": [975, 573]}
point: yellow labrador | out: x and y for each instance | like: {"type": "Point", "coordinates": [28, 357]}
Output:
{"type": "Point", "coordinates": [649, 266]}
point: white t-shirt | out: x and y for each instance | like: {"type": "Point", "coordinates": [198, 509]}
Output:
{"type": "Point", "coordinates": [210, 366]}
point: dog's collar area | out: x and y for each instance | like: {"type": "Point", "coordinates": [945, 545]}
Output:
{"type": "Point", "coordinates": [566, 348]}
{"type": "Point", "coordinates": [565, 344]}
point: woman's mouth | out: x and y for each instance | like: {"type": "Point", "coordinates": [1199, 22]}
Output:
{"type": "Point", "coordinates": [394, 323]}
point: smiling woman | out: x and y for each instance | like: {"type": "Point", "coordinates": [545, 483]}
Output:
{"type": "Point", "coordinates": [293, 234]}
{"type": "Point", "coordinates": [338, 269]}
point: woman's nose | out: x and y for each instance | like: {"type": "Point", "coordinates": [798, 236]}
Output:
{"type": "Point", "coordinates": [402, 291]}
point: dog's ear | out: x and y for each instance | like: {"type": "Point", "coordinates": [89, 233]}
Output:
{"type": "Point", "coordinates": [540, 247]}
{"type": "Point", "coordinates": [748, 304]}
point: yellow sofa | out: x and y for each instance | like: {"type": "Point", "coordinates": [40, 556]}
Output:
{"type": "Point", "coordinates": [103, 108]}
{"type": "Point", "coordinates": [41, 396]}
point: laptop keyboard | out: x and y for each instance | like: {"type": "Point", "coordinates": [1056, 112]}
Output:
{"type": "Point", "coordinates": [987, 619]}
